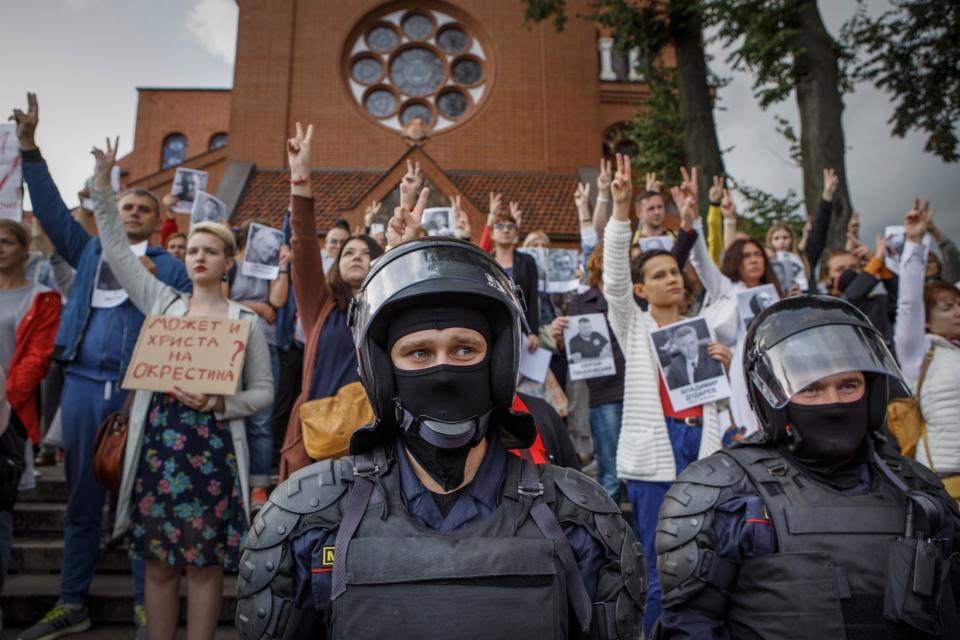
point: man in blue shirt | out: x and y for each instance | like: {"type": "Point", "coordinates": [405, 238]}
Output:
{"type": "Point", "coordinates": [98, 330]}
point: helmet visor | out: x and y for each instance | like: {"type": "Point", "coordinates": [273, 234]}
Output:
{"type": "Point", "coordinates": [790, 366]}
{"type": "Point", "coordinates": [445, 268]}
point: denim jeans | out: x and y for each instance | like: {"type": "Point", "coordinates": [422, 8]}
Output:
{"type": "Point", "coordinates": [260, 433]}
{"type": "Point", "coordinates": [605, 429]}
{"type": "Point", "coordinates": [646, 498]}
{"type": "Point", "coordinates": [85, 405]}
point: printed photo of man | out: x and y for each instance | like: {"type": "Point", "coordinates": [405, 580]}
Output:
{"type": "Point", "coordinates": [690, 362]}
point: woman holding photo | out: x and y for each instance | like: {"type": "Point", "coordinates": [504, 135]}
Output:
{"type": "Point", "coordinates": [184, 493]}
{"type": "Point", "coordinates": [656, 441]}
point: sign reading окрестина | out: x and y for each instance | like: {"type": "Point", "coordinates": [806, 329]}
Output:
{"type": "Point", "coordinates": [202, 355]}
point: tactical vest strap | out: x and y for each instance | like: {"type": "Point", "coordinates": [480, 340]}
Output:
{"type": "Point", "coordinates": [531, 488]}
{"type": "Point", "coordinates": [356, 507]}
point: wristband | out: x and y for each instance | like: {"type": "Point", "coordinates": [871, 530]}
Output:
{"type": "Point", "coordinates": [603, 199]}
{"type": "Point", "coordinates": [298, 181]}
{"type": "Point", "coordinates": [729, 221]}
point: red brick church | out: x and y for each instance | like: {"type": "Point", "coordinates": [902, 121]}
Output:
{"type": "Point", "coordinates": [508, 106]}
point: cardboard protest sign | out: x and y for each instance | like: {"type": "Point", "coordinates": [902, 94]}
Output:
{"type": "Point", "coordinates": [187, 183]}
{"type": "Point", "coordinates": [262, 258]}
{"type": "Point", "coordinates": [208, 208]}
{"type": "Point", "coordinates": [589, 350]}
{"type": "Point", "coordinates": [204, 355]}
{"type": "Point", "coordinates": [691, 376]}
{"type": "Point", "coordinates": [896, 237]}
{"type": "Point", "coordinates": [751, 302]}
{"type": "Point", "coordinates": [439, 221]}
{"type": "Point", "coordinates": [11, 190]}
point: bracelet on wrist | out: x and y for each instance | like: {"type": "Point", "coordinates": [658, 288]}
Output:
{"type": "Point", "coordinates": [299, 181]}
{"type": "Point", "coordinates": [714, 204]}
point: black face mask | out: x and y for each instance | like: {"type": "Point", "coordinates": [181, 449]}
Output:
{"type": "Point", "coordinates": [828, 438]}
{"type": "Point", "coordinates": [444, 412]}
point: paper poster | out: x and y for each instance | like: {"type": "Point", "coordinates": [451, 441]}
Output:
{"type": "Point", "coordinates": [187, 183]}
{"type": "Point", "coordinates": [655, 243]}
{"type": "Point", "coordinates": [562, 270]}
{"type": "Point", "coordinates": [208, 208]}
{"type": "Point", "coordinates": [540, 255]}
{"type": "Point", "coordinates": [587, 344]}
{"type": "Point", "coordinates": [114, 184]}
{"type": "Point", "coordinates": [377, 228]}
{"type": "Point", "coordinates": [262, 258]}
{"type": "Point", "coordinates": [439, 221]}
{"type": "Point", "coordinates": [796, 269]}
{"type": "Point", "coordinates": [11, 189]}
{"type": "Point", "coordinates": [203, 355]}
{"type": "Point", "coordinates": [691, 375]}
{"type": "Point", "coordinates": [784, 274]}
{"type": "Point", "coordinates": [896, 237]}
{"type": "Point", "coordinates": [751, 302]}
{"type": "Point", "coordinates": [107, 292]}
{"type": "Point", "coordinates": [534, 365]}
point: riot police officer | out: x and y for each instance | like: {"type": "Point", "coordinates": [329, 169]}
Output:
{"type": "Point", "coordinates": [815, 527]}
{"type": "Point", "coordinates": [432, 529]}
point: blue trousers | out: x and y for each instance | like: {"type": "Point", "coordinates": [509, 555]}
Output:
{"type": "Point", "coordinates": [260, 433]}
{"type": "Point", "coordinates": [605, 429]}
{"type": "Point", "coordinates": [646, 498]}
{"type": "Point", "coordinates": [84, 405]}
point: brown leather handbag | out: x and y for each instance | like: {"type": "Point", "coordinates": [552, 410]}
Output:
{"type": "Point", "coordinates": [108, 448]}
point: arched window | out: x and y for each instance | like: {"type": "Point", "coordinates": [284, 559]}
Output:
{"type": "Point", "coordinates": [218, 141]}
{"type": "Point", "coordinates": [174, 150]}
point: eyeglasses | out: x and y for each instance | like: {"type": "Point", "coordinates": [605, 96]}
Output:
{"type": "Point", "coordinates": [505, 226]}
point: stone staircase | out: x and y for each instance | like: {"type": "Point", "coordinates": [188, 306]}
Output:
{"type": "Point", "coordinates": [32, 586]}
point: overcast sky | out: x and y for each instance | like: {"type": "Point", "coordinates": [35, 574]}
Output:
{"type": "Point", "coordinates": [86, 57]}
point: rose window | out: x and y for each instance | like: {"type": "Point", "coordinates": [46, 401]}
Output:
{"type": "Point", "coordinates": [418, 63]}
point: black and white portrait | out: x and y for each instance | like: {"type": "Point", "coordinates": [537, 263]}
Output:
{"type": "Point", "coordinates": [692, 376]}
{"type": "Point", "coordinates": [207, 208]}
{"type": "Point", "coordinates": [107, 292]}
{"type": "Point", "coordinates": [439, 221]}
{"type": "Point", "coordinates": [783, 273]}
{"type": "Point", "coordinates": [562, 265]}
{"type": "Point", "coordinates": [750, 302]}
{"type": "Point", "coordinates": [187, 183]}
{"type": "Point", "coordinates": [588, 347]}
{"type": "Point", "coordinates": [896, 237]}
{"type": "Point", "coordinates": [262, 257]}
{"type": "Point", "coordinates": [655, 243]}
{"type": "Point", "coordinates": [796, 268]}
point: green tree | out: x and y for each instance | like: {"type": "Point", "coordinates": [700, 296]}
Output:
{"type": "Point", "coordinates": [912, 52]}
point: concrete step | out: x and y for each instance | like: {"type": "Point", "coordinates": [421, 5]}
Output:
{"type": "Point", "coordinates": [43, 518]}
{"type": "Point", "coordinates": [28, 597]}
{"type": "Point", "coordinates": [45, 555]}
{"type": "Point", "coordinates": [51, 486]}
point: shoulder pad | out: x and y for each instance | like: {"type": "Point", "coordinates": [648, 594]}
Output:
{"type": "Point", "coordinates": [271, 526]}
{"type": "Point", "coordinates": [674, 532]}
{"type": "Point", "coordinates": [676, 567]}
{"type": "Point", "coordinates": [686, 499]}
{"type": "Point", "coordinates": [583, 491]}
{"type": "Point", "coordinates": [257, 569]}
{"type": "Point", "coordinates": [717, 470]}
{"type": "Point", "coordinates": [253, 614]}
{"type": "Point", "coordinates": [315, 487]}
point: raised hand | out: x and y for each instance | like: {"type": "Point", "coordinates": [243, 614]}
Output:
{"type": "Point", "coordinates": [854, 225]}
{"type": "Point", "coordinates": [727, 206]}
{"type": "Point", "coordinates": [917, 221]}
{"type": "Point", "coordinates": [27, 123]}
{"type": "Point", "coordinates": [463, 221]}
{"type": "Point", "coordinates": [412, 180]}
{"type": "Point", "coordinates": [880, 247]}
{"type": "Point", "coordinates": [169, 201]}
{"type": "Point", "coordinates": [495, 200]}
{"type": "Point", "coordinates": [104, 163]}
{"type": "Point", "coordinates": [690, 181]}
{"type": "Point", "coordinates": [371, 212]}
{"type": "Point", "coordinates": [716, 190]}
{"type": "Point", "coordinates": [298, 153]}
{"type": "Point", "coordinates": [405, 223]}
{"type": "Point", "coordinates": [686, 204]}
{"type": "Point", "coordinates": [604, 179]}
{"type": "Point", "coordinates": [581, 197]}
{"type": "Point", "coordinates": [652, 184]}
{"type": "Point", "coordinates": [516, 212]}
{"type": "Point", "coordinates": [830, 183]}
{"type": "Point", "coordinates": [622, 188]}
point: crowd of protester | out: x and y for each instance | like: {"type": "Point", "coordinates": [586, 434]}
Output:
{"type": "Point", "coordinates": [197, 467]}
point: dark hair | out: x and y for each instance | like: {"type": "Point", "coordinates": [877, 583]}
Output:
{"type": "Point", "coordinates": [176, 234]}
{"type": "Point", "coordinates": [339, 289]}
{"type": "Point", "coordinates": [932, 293]}
{"type": "Point", "coordinates": [342, 224]}
{"type": "Point", "coordinates": [649, 194]}
{"type": "Point", "coordinates": [240, 233]}
{"type": "Point", "coordinates": [733, 258]}
{"type": "Point", "coordinates": [638, 264]}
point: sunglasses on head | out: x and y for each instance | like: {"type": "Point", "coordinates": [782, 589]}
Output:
{"type": "Point", "coordinates": [504, 226]}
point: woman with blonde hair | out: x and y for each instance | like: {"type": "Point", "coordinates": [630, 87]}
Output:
{"type": "Point", "coordinates": [184, 495]}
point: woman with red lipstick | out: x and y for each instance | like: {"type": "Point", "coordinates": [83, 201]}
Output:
{"type": "Point", "coordinates": [184, 495]}
{"type": "Point", "coordinates": [656, 441]}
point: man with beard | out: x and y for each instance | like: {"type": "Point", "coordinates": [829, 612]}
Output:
{"type": "Point", "coordinates": [432, 530]}
{"type": "Point", "coordinates": [815, 527]}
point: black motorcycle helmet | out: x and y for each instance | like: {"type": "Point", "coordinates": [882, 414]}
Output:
{"type": "Point", "coordinates": [802, 339]}
{"type": "Point", "coordinates": [434, 272]}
